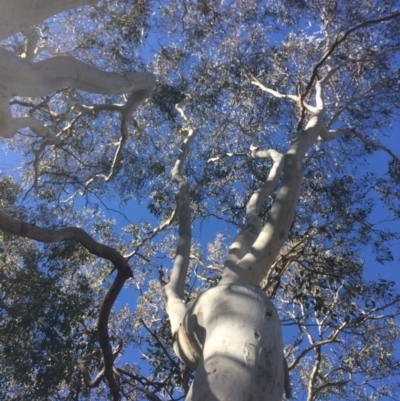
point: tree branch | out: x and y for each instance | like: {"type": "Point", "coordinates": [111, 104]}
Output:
{"type": "Point", "coordinates": [173, 362]}
{"type": "Point", "coordinates": [375, 145]}
{"type": "Point", "coordinates": [314, 373]}
{"type": "Point", "coordinates": [133, 102]}
{"type": "Point", "coordinates": [225, 155]}
{"type": "Point", "coordinates": [10, 126]}
{"type": "Point", "coordinates": [357, 98]}
{"type": "Point", "coordinates": [153, 233]}
{"type": "Point", "coordinates": [331, 338]}
{"type": "Point", "coordinates": [249, 233]}
{"type": "Point", "coordinates": [337, 42]}
{"type": "Point", "coordinates": [47, 235]}
{"type": "Point", "coordinates": [329, 135]}
{"type": "Point", "coordinates": [327, 54]}
{"type": "Point", "coordinates": [174, 290]}
{"type": "Point", "coordinates": [45, 77]}
{"type": "Point", "coordinates": [84, 367]}
{"type": "Point", "coordinates": [16, 15]}
{"type": "Point", "coordinates": [254, 265]}
{"type": "Point", "coordinates": [256, 82]}
{"type": "Point", "coordinates": [328, 385]}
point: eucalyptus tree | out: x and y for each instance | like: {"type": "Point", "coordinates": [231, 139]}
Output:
{"type": "Point", "coordinates": [266, 116]}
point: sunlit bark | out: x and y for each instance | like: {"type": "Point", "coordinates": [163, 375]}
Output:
{"type": "Point", "coordinates": [174, 290]}
{"type": "Point", "coordinates": [245, 361]}
{"type": "Point", "coordinates": [22, 78]}
{"type": "Point", "coordinates": [231, 333]}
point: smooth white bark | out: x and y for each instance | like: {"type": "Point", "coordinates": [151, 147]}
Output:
{"type": "Point", "coordinates": [255, 264]}
{"type": "Point", "coordinates": [251, 230]}
{"type": "Point", "coordinates": [174, 290]}
{"type": "Point", "coordinates": [236, 332]}
{"type": "Point", "coordinates": [232, 334]}
{"type": "Point", "coordinates": [19, 77]}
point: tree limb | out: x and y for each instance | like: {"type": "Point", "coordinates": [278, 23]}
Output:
{"type": "Point", "coordinates": [314, 373]}
{"type": "Point", "coordinates": [329, 135]}
{"type": "Point", "coordinates": [134, 100]}
{"type": "Point", "coordinates": [174, 290]}
{"type": "Point", "coordinates": [249, 233]}
{"type": "Point", "coordinates": [339, 41]}
{"type": "Point", "coordinates": [375, 145]}
{"type": "Point", "coordinates": [10, 126]}
{"type": "Point", "coordinates": [254, 265]}
{"type": "Point", "coordinates": [47, 235]}
{"type": "Point", "coordinates": [84, 367]}
{"type": "Point", "coordinates": [47, 76]}
{"type": "Point", "coordinates": [256, 82]}
{"type": "Point", "coordinates": [15, 15]}
{"type": "Point", "coordinates": [328, 53]}
{"type": "Point", "coordinates": [153, 233]}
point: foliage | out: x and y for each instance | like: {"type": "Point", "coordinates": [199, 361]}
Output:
{"type": "Point", "coordinates": [343, 326]}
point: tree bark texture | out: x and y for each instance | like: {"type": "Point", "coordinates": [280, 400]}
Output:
{"type": "Point", "coordinates": [236, 330]}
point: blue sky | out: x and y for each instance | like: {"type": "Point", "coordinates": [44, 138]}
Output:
{"type": "Point", "coordinates": [207, 231]}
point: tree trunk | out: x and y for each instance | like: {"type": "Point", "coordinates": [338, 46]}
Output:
{"type": "Point", "coordinates": [236, 330]}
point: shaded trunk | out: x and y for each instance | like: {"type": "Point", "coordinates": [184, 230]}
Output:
{"type": "Point", "coordinates": [236, 330]}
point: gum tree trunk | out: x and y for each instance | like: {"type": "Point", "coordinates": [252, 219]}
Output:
{"type": "Point", "coordinates": [231, 335]}
{"type": "Point", "coordinates": [237, 330]}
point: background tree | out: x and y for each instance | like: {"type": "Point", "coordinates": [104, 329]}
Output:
{"type": "Point", "coordinates": [252, 82]}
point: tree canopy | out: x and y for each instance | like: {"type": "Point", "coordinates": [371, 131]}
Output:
{"type": "Point", "coordinates": [106, 174]}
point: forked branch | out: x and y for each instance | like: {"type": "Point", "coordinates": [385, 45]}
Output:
{"type": "Point", "coordinates": [134, 100]}
{"type": "Point", "coordinates": [338, 42]}
{"type": "Point", "coordinates": [254, 81]}
{"type": "Point", "coordinates": [47, 76]}
{"type": "Point", "coordinates": [254, 265]}
{"type": "Point", "coordinates": [249, 233]}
